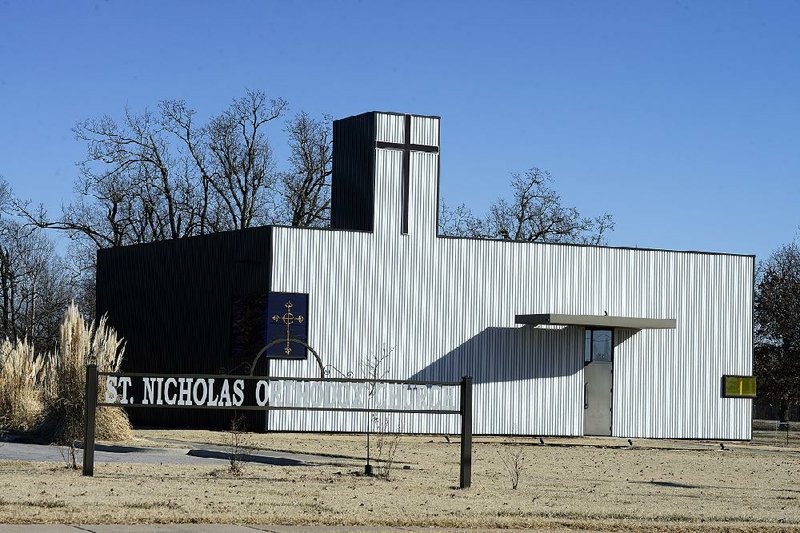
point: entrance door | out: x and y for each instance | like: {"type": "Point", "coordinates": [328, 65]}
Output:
{"type": "Point", "coordinates": [598, 381]}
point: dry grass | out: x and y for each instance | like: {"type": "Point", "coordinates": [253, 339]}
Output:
{"type": "Point", "coordinates": [698, 487]}
{"type": "Point", "coordinates": [65, 387]}
{"type": "Point", "coordinates": [21, 374]}
{"type": "Point", "coordinates": [46, 393]}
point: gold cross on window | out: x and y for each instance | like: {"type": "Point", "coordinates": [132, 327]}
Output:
{"type": "Point", "coordinates": [288, 318]}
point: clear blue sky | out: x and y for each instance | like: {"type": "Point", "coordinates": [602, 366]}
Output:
{"type": "Point", "coordinates": [680, 118]}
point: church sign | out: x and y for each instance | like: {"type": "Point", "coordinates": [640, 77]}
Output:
{"type": "Point", "coordinates": [235, 392]}
{"type": "Point", "coordinates": [238, 392]}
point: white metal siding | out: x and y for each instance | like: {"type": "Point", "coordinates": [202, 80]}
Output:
{"type": "Point", "coordinates": [668, 383]}
{"type": "Point", "coordinates": [425, 130]}
{"type": "Point", "coordinates": [446, 308]}
{"type": "Point", "coordinates": [390, 128]}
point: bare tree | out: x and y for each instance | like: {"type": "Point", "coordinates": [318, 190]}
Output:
{"type": "Point", "coordinates": [777, 327]}
{"type": "Point", "coordinates": [534, 213]}
{"type": "Point", "coordinates": [306, 187]}
{"type": "Point", "coordinates": [128, 191]}
{"type": "Point", "coordinates": [459, 221]}
{"type": "Point", "coordinates": [135, 158]}
{"type": "Point", "coordinates": [34, 285]}
{"type": "Point", "coordinates": [80, 266]}
{"type": "Point", "coordinates": [242, 170]}
{"type": "Point", "coordinates": [178, 119]}
{"type": "Point", "coordinates": [153, 177]}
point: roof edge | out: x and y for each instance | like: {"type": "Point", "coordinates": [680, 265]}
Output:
{"type": "Point", "coordinates": [627, 322]}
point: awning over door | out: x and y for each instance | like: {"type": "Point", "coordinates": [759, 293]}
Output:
{"type": "Point", "coordinates": [604, 321]}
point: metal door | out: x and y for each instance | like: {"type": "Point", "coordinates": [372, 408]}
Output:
{"type": "Point", "coordinates": [598, 382]}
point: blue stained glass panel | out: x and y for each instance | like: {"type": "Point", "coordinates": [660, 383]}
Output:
{"type": "Point", "coordinates": [286, 315]}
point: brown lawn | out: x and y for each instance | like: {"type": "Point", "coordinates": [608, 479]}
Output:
{"type": "Point", "coordinates": [600, 484]}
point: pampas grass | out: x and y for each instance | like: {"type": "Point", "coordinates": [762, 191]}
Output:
{"type": "Point", "coordinates": [21, 374]}
{"type": "Point", "coordinates": [65, 386]}
{"type": "Point", "coordinates": [46, 394]}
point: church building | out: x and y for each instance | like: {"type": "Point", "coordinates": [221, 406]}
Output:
{"type": "Point", "coordinates": [559, 339]}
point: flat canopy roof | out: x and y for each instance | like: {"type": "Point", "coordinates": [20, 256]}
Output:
{"type": "Point", "coordinates": [606, 321]}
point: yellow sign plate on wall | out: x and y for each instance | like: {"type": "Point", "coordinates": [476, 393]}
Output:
{"type": "Point", "coordinates": [739, 386]}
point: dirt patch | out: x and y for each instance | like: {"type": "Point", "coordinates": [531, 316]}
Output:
{"type": "Point", "coordinates": [601, 484]}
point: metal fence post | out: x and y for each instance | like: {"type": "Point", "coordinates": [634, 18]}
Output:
{"type": "Point", "coordinates": [465, 477]}
{"type": "Point", "coordinates": [89, 420]}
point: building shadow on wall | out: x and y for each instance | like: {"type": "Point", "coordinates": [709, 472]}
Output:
{"type": "Point", "coordinates": [499, 354]}
{"type": "Point", "coordinates": [622, 335]}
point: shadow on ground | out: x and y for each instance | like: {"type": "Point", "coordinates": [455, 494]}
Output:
{"type": "Point", "coordinates": [247, 458]}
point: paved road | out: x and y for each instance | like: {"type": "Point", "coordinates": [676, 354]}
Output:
{"type": "Point", "coordinates": [195, 453]}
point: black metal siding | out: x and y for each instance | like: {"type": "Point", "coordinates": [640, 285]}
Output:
{"type": "Point", "coordinates": [353, 184]}
{"type": "Point", "coordinates": [172, 303]}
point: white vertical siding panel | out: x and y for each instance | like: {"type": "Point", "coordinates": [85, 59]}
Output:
{"type": "Point", "coordinates": [667, 382]}
{"type": "Point", "coordinates": [457, 318]}
{"type": "Point", "coordinates": [422, 212]}
{"type": "Point", "coordinates": [388, 196]}
{"type": "Point", "coordinates": [425, 130]}
{"type": "Point", "coordinates": [447, 306]}
{"type": "Point", "coordinates": [390, 128]}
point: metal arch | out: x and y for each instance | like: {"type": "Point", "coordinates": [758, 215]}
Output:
{"type": "Point", "coordinates": [297, 341]}
{"type": "Point", "coordinates": [329, 368]}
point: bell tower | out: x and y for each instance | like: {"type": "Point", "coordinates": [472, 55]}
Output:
{"type": "Point", "coordinates": [385, 173]}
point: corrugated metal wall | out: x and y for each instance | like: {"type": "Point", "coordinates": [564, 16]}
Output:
{"type": "Point", "coordinates": [425, 130]}
{"type": "Point", "coordinates": [446, 307]}
{"type": "Point", "coordinates": [172, 303]}
{"type": "Point", "coordinates": [390, 127]}
{"type": "Point", "coordinates": [352, 192]}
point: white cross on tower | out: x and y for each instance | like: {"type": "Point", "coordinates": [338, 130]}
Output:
{"type": "Point", "coordinates": [407, 147]}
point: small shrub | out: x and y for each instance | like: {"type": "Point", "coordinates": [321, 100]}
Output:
{"type": "Point", "coordinates": [236, 445]}
{"type": "Point", "coordinates": [385, 446]}
{"type": "Point", "coordinates": [376, 368]}
{"type": "Point", "coordinates": [69, 452]}
{"type": "Point", "coordinates": [513, 458]}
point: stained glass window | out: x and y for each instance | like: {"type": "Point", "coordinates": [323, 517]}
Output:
{"type": "Point", "coordinates": [739, 386]}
